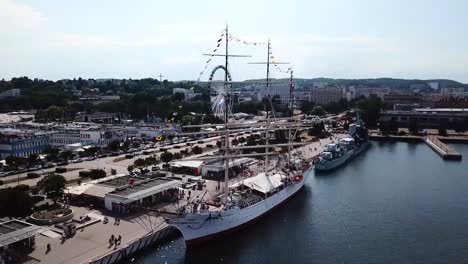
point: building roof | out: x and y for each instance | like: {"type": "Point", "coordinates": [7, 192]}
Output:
{"type": "Point", "coordinates": [447, 110]}
{"type": "Point", "coordinates": [143, 189]}
{"type": "Point", "coordinates": [16, 230]}
{"type": "Point", "coordinates": [108, 181]}
{"type": "Point", "coordinates": [187, 163]}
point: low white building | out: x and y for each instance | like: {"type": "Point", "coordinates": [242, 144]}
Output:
{"type": "Point", "coordinates": [86, 137]}
{"type": "Point", "coordinates": [188, 94]}
{"type": "Point", "coordinates": [148, 132]}
{"type": "Point", "coordinates": [146, 192]}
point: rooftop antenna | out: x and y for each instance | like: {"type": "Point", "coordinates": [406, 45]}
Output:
{"type": "Point", "coordinates": [160, 77]}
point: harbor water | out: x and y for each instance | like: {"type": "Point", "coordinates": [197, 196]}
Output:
{"type": "Point", "coordinates": [395, 203]}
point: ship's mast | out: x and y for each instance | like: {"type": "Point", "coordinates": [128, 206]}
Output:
{"type": "Point", "coordinates": [268, 93]}
{"type": "Point", "coordinates": [291, 114]}
{"type": "Point", "coordinates": [226, 108]}
{"type": "Point", "coordinates": [267, 131]}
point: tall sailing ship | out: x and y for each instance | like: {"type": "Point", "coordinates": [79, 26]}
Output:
{"type": "Point", "coordinates": [247, 200]}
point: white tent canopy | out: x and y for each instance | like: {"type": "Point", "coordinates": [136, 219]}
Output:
{"type": "Point", "coordinates": [261, 182]}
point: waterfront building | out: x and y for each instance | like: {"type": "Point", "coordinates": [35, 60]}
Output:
{"type": "Point", "coordinates": [391, 99]}
{"type": "Point", "coordinates": [96, 137]}
{"type": "Point", "coordinates": [22, 145]}
{"type": "Point", "coordinates": [10, 93]}
{"type": "Point", "coordinates": [188, 93]}
{"type": "Point", "coordinates": [371, 91]}
{"type": "Point", "coordinates": [98, 117]}
{"type": "Point", "coordinates": [427, 117]}
{"type": "Point", "coordinates": [130, 197]}
{"type": "Point", "coordinates": [215, 169]}
{"type": "Point", "coordinates": [319, 84]}
{"type": "Point", "coordinates": [281, 89]}
{"type": "Point", "coordinates": [149, 132]}
{"type": "Point", "coordinates": [452, 92]}
{"type": "Point", "coordinates": [326, 95]}
{"type": "Point", "coordinates": [405, 107]}
{"type": "Point", "coordinates": [16, 238]}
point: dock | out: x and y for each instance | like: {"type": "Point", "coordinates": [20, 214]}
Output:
{"type": "Point", "coordinates": [441, 148]}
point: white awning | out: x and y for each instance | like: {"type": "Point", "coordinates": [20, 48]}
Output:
{"type": "Point", "coordinates": [261, 182]}
{"type": "Point", "coordinates": [187, 163]}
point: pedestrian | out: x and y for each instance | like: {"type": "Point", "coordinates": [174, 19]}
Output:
{"type": "Point", "coordinates": [48, 248]}
{"type": "Point", "coordinates": [119, 239]}
{"type": "Point", "coordinates": [115, 220]}
{"type": "Point", "coordinates": [110, 242]}
{"type": "Point", "coordinates": [112, 238]}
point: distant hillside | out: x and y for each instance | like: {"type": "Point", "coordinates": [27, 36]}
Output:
{"type": "Point", "coordinates": [387, 82]}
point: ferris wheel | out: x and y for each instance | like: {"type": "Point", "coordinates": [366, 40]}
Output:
{"type": "Point", "coordinates": [220, 93]}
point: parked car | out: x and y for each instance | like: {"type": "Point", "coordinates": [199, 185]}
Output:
{"type": "Point", "coordinates": [77, 161]}
{"type": "Point", "coordinates": [155, 168]}
{"type": "Point", "coordinates": [47, 165]}
{"type": "Point", "coordinates": [3, 174]}
{"type": "Point", "coordinates": [90, 158]}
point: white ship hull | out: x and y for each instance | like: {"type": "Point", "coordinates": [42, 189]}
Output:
{"type": "Point", "coordinates": [197, 228]}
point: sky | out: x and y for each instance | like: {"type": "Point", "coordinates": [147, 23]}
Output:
{"type": "Point", "coordinates": [56, 39]}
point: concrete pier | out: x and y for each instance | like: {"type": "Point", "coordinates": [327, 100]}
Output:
{"type": "Point", "coordinates": [441, 148]}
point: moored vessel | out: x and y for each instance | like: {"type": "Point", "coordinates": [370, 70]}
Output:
{"type": "Point", "coordinates": [245, 201]}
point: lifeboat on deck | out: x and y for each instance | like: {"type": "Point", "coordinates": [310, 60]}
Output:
{"type": "Point", "coordinates": [297, 178]}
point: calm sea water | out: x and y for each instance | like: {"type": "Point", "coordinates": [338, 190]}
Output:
{"type": "Point", "coordinates": [396, 203]}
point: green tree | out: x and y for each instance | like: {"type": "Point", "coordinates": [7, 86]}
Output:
{"type": "Point", "coordinates": [15, 162]}
{"type": "Point", "coordinates": [166, 157]}
{"type": "Point", "coordinates": [51, 153]}
{"type": "Point", "coordinates": [53, 186]}
{"type": "Point", "coordinates": [55, 112]}
{"type": "Point", "coordinates": [307, 107]}
{"type": "Point", "coordinates": [130, 168]}
{"type": "Point", "coordinates": [318, 111]}
{"type": "Point", "coordinates": [442, 131]}
{"type": "Point", "coordinates": [15, 202]}
{"type": "Point", "coordinates": [178, 97]}
{"type": "Point", "coordinates": [413, 126]}
{"type": "Point", "coordinates": [369, 109]}
{"type": "Point", "coordinates": [242, 140]}
{"type": "Point", "coordinates": [187, 120]}
{"type": "Point", "coordinates": [384, 127]}
{"type": "Point", "coordinates": [97, 174]}
{"type": "Point", "coordinates": [151, 161]}
{"type": "Point", "coordinates": [33, 159]}
{"type": "Point", "coordinates": [114, 145]}
{"type": "Point", "coordinates": [66, 155]}
{"type": "Point", "coordinates": [91, 151]}
{"type": "Point", "coordinates": [139, 163]}
{"type": "Point", "coordinates": [177, 156]}
{"type": "Point", "coordinates": [197, 150]}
